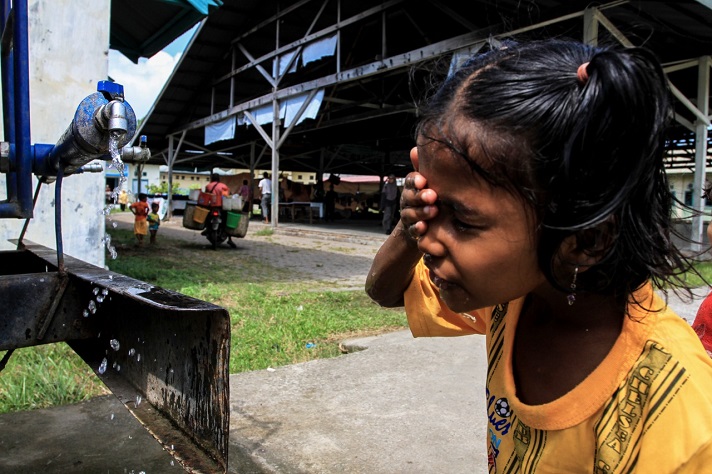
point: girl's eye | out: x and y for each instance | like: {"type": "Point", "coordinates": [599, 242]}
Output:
{"type": "Point", "coordinates": [463, 226]}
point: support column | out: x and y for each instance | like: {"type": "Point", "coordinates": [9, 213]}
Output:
{"type": "Point", "coordinates": [171, 160]}
{"type": "Point", "coordinates": [275, 163]}
{"type": "Point", "coordinates": [698, 202]}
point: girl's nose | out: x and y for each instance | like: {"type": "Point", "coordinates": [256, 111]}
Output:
{"type": "Point", "coordinates": [430, 243]}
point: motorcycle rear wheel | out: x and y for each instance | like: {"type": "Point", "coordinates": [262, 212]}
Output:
{"type": "Point", "coordinates": [216, 237]}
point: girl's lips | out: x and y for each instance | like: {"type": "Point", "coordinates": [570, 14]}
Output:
{"type": "Point", "coordinates": [441, 283]}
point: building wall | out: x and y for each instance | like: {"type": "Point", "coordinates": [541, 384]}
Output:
{"type": "Point", "coordinates": [68, 55]}
{"type": "Point", "coordinates": [197, 180]}
{"type": "Point", "coordinates": [185, 180]}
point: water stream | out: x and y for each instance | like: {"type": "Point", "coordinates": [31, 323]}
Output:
{"type": "Point", "coordinates": [120, 167]}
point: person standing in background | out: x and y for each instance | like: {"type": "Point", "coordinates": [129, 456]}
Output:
{"type": "Point", "coordinates": [330, 204]}
{"type": "Point", "coordinates": [246, 195]}
{"type": "Point", "coordinates": [266, 199]}
{"type": "Point", "coordinates": [123, 199]}
{"type": "Point", "coordinates": [389, 201]}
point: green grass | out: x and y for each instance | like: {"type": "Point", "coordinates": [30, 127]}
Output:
{"type": "Point", "coordinates": [43, 376]}
{"type": "Point", "coordinates": [276, 318]}
{"type": "Point", "coordinates": [273, 315]}
{"type": "Point", "coordinates": [705, 271]}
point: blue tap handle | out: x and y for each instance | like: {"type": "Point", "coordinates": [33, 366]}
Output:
{"type": "Point", "coordinates": [111, 90]}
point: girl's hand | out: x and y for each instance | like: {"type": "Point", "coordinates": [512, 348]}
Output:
{"type": "Point", "coordinates": [394, 264]}
{"type": "Point", "coordinates": [417, 201]}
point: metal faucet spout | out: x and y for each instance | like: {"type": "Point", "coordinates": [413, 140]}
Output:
{"type": "Point", "coordinates": [113, 117]}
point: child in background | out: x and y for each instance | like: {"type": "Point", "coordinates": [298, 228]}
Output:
{"type": "Point", "coordinates": [154, 221]}
{"type": "Point", "coordinates": [140, 211]}
{"type": "Point", "coordinates": [539, 214]}
{"type": "Point", "coordinates": [246, 195]}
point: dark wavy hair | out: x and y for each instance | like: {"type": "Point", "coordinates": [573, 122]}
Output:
{"type": "Point", "coordinates": [586, 155]}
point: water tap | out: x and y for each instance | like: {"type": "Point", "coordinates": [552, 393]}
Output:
{"type": "Point", "coordinates": [113, 117]}
{"type": "Point", "coordinates": [101, 118]}
{"type": "Point", "coordinates": [134, 154]}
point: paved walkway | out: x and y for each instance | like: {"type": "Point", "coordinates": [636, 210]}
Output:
{"type": "Point", "coordinates": [393, 405]}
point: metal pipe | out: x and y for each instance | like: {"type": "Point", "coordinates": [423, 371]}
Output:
{"type": "Point", "coordinates": [16, 107]}
{"type": "Point", "coordinates": [23, 156]}
{"type": "Point", "coordinates": [8, 90]}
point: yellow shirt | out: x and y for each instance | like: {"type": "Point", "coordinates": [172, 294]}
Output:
{"type": "Point", "coordinates": [646, 408]}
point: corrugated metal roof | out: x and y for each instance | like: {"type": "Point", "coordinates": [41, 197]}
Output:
{"type": "Point", "coordinates": [141, 28]}
{"type": "Point", "coordinates": [366, 120]}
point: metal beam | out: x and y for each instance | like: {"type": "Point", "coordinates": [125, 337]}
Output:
{"type": "Point", "coordinates": [378, 67]}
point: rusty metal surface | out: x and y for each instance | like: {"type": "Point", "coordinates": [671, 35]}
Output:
{"type": "Point", "coordinates": [163, 354]}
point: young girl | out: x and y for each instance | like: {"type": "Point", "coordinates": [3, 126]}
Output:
{"type": "Point", "coordinates": [140, 210]}
{"type": "Point", "coordinates": [539, 215]}
{"type": "Point", "coordinates": [154, 221]}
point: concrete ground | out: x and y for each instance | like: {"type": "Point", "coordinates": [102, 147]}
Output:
{"type": "Point", "coordinates": [393, 405]}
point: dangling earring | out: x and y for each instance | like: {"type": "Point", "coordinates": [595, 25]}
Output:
{"type": "Point", "coordinates": [571, 298]}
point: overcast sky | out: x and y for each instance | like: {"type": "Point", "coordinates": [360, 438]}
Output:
{"type": "Point", "coordinates": [144, 81]}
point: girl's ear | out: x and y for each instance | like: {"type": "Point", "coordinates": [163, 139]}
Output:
{"type": "Point", "coordinates": [414, 157]}
{"type": "Point", "coordinates": [589, 246]}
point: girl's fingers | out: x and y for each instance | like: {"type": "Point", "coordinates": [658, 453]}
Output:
{"type": "Point", "coordinates": [414, 157]}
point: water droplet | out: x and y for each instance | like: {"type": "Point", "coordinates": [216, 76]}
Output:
{"type": "Point", "coordinates": [92, 307]}
{"type": "Point", "coordinates": [85, 313]}
{"type": "Point", "coordinates": [138, 400]}
{"type": "Point", "coordinates": [102, 367]}
{"type": "Point", "coordinates": [100, 298]}
{"type": "Point", "coordinates": [132, 351]}
{"type": "Point", "coordinates": [118, 368]}
{"type": "Point", "coordinates": [111, 277]}
{"type": "Point", "coordinates": [112, 416]}
{"type": "Point", "coordinates": [96, 290]}
{"type": "Point", "coordinates": [114, 344]}
{"type": "Point", "coordinates": [105, 291]}
{"type": "Point", "coordinates": [138, 357]}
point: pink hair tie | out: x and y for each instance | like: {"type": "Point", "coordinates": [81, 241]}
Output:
{"type": "Point", "coordinates": [582, 73]}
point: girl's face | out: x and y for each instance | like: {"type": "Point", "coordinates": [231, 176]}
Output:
{"type": "Point", "coordinates": [481, 246]}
